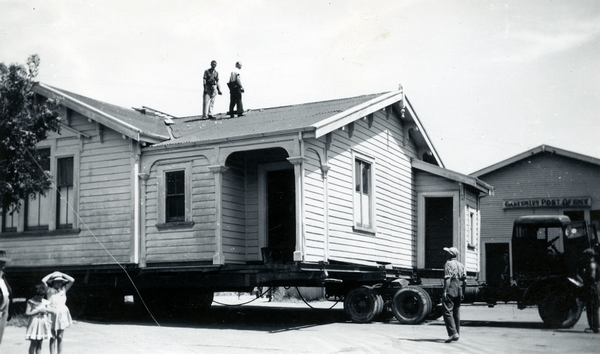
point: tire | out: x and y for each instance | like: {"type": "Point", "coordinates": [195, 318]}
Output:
{"type": "Point", "coordinates": [363, 304]}
{"type": "Point", "coordinates": [411, 305]}
{"type": "Point", "coordinates": [559, 309]}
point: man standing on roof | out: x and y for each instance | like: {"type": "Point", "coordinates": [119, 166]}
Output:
{"type": "Point", "coordinates": [211, 87]}
{"type": "Point", "coordinates": [235, 91]}
{"type": "Point", "coordinates": [454, 287]}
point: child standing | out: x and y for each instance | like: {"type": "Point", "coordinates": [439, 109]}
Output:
{"type": "Point", "coordinates": [58, 285]}
{"type": "Point", "coordinates": [38, 326]}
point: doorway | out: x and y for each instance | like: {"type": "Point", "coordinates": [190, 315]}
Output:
{"type": "Point", "coordinates": [497, 264]}
{"type": "Point", "coordinates": [438, 230]}
{"type": "Point", "coordinates": [281, 215]}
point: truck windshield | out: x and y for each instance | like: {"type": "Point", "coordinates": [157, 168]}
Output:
{"type": "Point", "coordinates": [537, 250]}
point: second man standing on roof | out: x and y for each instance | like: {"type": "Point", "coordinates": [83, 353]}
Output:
{"type": "Point", "coordinates": [235, 91]}
{"type": "Point", "coordinates": [211, 87]}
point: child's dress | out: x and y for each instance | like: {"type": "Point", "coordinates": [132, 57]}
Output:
{"type": "Point", "coordinates": [38, 326]}
{"type": "Point", "coordinates": [61, 318]}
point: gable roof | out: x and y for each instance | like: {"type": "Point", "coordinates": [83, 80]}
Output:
{"type": "Point", "coordinates": [129, 122]}
{"type": "Point", "coordinates": [535, 151]}
{"type": "Point", "coordinates": [455, 176]}
{"type": "Point", "coordinates": [313, 119]}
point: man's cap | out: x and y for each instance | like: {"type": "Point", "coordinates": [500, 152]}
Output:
{"type": "Point", "coordinates": [453, 251]}
{"type": "Point", "coordinates": [214, 61]}
{"type": "Point", "coordinates": [3, 257]}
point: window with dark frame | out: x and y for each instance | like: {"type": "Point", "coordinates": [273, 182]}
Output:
{"type": "Point", "coordinates": [64, 193]}
{"type": "Point", "coordinates": [175, 196]}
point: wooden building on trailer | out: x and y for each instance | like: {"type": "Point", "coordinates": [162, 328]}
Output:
{"type": "Point", "coordinates": [346, 181]}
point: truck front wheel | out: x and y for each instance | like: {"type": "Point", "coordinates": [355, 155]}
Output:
{"type": "Point", "coordinates": [411, 305]}
{"type": "Point", "coordinates": [363, 304]}
{"type": "Point", "coordinates": [559, 309]}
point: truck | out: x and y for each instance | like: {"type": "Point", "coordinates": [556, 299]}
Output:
{"type": "Point", "coordinates": [542, 269]}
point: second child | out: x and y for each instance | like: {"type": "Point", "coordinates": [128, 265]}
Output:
{"type": "Point", "coordinates": [38, 325]}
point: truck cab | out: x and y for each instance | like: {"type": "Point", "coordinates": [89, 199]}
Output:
{"type": "Point", "coordinates": [547, 255]}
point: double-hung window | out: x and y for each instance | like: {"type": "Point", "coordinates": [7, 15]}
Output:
{"type": "Point", "coordinates": [363, 194]}
{"type": "Point", "coordinates": [54, 209]}
{"type": "Point", "coordinates": [64, 193]}
{"type": "Point", "coordinates": [175, 196]}
{"type": "Point", "coordinates": [37, 206]}
{"type": "Point", "coordinates": [472, 226]}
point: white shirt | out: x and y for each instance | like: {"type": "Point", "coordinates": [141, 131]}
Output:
{"type": "Point", "coordinates": [4, 289]}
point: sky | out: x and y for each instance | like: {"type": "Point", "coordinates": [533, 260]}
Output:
{"type": "Point", "coordinates": [488, 79]}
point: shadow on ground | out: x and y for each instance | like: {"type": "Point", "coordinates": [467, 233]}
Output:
{"type": "Point", "coordinates": [260, 318]}
{"type": "Point", "coordinates": [272, 319]}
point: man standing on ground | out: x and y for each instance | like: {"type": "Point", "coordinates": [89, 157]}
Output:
{"type": "Point", "coordinates": [235, 91]}
{"type": "Point", "coordinates": [211, 87]}
{"type": "Point", "coordinates": [5, 294]}
{"type": "Point", "coordinates": [591, 277]}
{"type": "Point", "coordinates": [454, 287]}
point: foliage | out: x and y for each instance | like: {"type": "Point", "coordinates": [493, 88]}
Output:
{"type": "Point", "coordinates": [23, 123]}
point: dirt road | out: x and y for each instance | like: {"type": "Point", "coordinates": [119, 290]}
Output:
{"type": "Point", "coordinates": [293, 328]}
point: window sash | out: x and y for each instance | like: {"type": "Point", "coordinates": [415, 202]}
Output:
{"type": "Point", "coordinates": [64, 194]}
{"type": "Point", "coordinates": [175, 196]}
{"type": "Point", "coordinates": [64, 173]}
{"type": "Point", "coordinates": [362, 197]}
{"type": "Point", "coordinates": [37, 212]}
{"type": "Point", "coordinates": [9, 221]}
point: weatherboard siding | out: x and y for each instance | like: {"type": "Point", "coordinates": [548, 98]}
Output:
{"type": "Point", "coordinates": [314, 202]}
{"type": "Point", "coordinates": [394, 198]}
{"type": "Point", "coordinates": [105, 197]}
{"type": "Point", "coordinates": [253, 252]}
{"type": "Point", "coordinates": [193, 243]}
{"type": "Point", "coordinates": [234, 212]}
{"type": "Point", "coordinates": [103, 203]}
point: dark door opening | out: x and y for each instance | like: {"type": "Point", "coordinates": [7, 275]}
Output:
{"type": "Point", "coordinates": [497, 267]}
{"type": "Point", "coordinates": [281, 215]}
{"type": "Point", "coordinates": [438, 230]}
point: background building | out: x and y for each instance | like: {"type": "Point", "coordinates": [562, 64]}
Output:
{"type": "Point", "coordinates": [543, 180]}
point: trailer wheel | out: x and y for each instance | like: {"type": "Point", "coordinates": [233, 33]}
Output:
{"type": "Point", "coordinates": [559, 309]}
{"type": "Point", "coordinates": [363, 304]}
{"type": "Point", "coordinates": [411, 305]}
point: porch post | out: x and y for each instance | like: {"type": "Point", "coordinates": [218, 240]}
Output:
{"type": "Point", "coordinates": [218, 170]}
{"type": "Point", "coordinates": [143, 180]}
{"type": "Point", "coordinates": [298, 173]}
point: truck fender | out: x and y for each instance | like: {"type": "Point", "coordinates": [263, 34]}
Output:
{"type": "Point", "coordinates": [540, 287]}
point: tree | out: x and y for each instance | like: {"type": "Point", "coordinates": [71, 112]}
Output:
{"type": "Point", "coordinates": [23, 123]}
